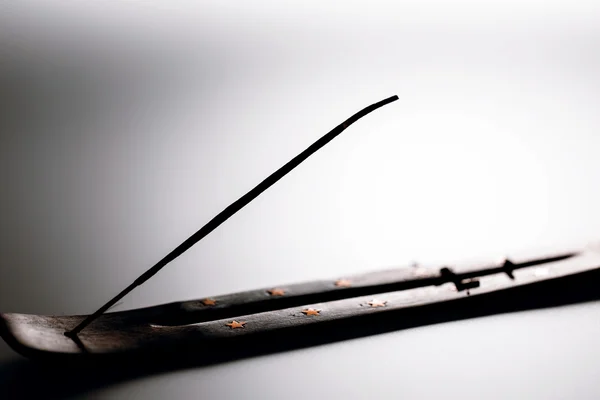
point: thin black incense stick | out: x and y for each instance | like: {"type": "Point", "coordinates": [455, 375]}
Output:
{"type": "Point", "coordinates": [231, 210]}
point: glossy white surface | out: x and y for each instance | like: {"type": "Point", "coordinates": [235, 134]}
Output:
{"type": "Point", "coordinates": [132, 123]}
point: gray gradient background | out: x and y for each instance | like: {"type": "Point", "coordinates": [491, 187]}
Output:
{"type": "Point", "coordinates": [127, 125]}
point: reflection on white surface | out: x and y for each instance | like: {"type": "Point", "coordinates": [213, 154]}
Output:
{"type": "Point", "coordinates": [133, 123]}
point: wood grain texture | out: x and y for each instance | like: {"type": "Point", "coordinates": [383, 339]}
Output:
{"type": "Point", "coordinates": [192, 329]}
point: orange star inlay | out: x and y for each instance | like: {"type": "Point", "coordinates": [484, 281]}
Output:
{"type": "Point", "coordinates": [276, 292]}
{"type": "Point", "coordinates": [235, 324]}
{"type": "Point", "coordinates": [343, 283]}
{"type": "Point", "coordinates": [311, 311]}
{"type": "Point", "coordinates": [208, 302]}
{"type": "Point", "coordinates": [377, 303]}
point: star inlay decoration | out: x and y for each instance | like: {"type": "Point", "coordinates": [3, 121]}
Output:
{"type": "Point", "coordinates": [208, 302]}
{"type": "Point", "coordinates": [311, 311]}
{"type": "Point", "coordinates": [235, 324]}
{"type": "Point", "coordinates": [343, 283]}
{"type": "Point", "coordinates": [276, 292]}
{"type": "Point", "coordinates": [377, 303]}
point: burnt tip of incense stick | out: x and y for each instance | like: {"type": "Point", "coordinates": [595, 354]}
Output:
{"type": "Point", "coordinates": [232, 209]}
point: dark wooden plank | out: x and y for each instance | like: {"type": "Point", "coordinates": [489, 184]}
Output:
{"type": "Point", "coordinates": [142, 331]}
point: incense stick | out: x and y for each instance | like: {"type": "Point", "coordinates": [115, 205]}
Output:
{"type": "Point", "coordinates": [231, 210]}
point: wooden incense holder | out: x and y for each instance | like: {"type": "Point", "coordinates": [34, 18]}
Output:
{"type": "Point", "coordinates": [297, 315]}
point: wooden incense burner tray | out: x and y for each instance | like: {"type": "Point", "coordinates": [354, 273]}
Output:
{"type": "Point", "coordinates": [305, 314]}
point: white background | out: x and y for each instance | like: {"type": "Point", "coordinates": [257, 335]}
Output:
{"type": "Point", "coordinates": [126, 125]}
